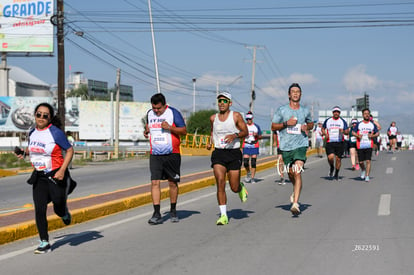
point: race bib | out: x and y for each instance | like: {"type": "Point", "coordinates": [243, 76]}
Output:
{"type": "Point", "coordinates": [294, 130]}
{"type": "Point", "coordinates": [160, 139]}
{"type": "Point", "coordinates": [41, 163]}
{"type": "Point", "coordinates": [334, 134]}
{"type": "Point", "coordinates": [353, 139]}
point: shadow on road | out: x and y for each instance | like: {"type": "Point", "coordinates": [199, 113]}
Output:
{"type": "Point", "coordinates": [76, 239]}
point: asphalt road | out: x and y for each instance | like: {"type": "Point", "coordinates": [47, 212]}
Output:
{"type": "Point", "coordinates": [96, 178]}
{"type": "Point", "coordinates": [346, 227]}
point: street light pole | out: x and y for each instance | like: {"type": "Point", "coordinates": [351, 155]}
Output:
{"type": "Point", "coordinates": [194, 81]}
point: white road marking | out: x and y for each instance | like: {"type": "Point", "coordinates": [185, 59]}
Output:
{"type": "Point", "coordinates": [384, 207]}
{"type": "Point", "coordinates": [393, 158]}
{"type": "Point", "coordinates": [389, 170]}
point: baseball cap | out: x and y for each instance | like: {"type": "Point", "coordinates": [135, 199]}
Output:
{"type": "Point", "coordinates": [336, 108]}
{"type": "Point", "coordinates": [224, 94]}
{"type": "Point", "coordinates": [354, 120]}
{"type": "Point", "coordinates": [249, 116]}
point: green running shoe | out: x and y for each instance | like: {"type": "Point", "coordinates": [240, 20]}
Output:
{"type": "Point", "coordinates": [222, 220]}
{"type": "Point", "coordinates": [243, 193]}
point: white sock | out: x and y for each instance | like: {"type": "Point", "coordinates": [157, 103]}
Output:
{"type": "Point", "coordinates": [223, 209]}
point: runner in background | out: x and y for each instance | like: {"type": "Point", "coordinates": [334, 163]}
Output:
{"type": "Point", "coordinates": [352, 145]}
{"type": "Point", "coordinates": [251, 148]}
{"type": "Point", "coordinates": [392, 136]}
{"type": "Point", "coordinates": [319, 139]}
{"type": "Point", "coordinates": [400, 138]}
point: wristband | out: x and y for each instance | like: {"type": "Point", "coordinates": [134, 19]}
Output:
{"type": "Point", "coordinates": [285, 124]}
{"type": "Point", "coordinates": [237, 135]}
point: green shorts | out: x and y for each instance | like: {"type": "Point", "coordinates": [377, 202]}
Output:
{"type": "Point", "coordinates": [289, 157]}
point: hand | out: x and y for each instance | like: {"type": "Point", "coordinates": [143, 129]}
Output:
{"type": "Point", "coordinates": [208, 146]}
{"type": "Point", "coordinates": [59, 174]}
{"type": "Point", "coordinates": [146, 134]}
{"type": "Point", "coordinates": [292, 121]}
{"type": "Point", "coordinates": [165, 125]}
{"type": "Point", "coordinates": [229, 138]}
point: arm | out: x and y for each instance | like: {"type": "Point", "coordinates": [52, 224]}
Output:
{"type": "Point", "coordinates": [210, 143]}
{"type": "Point", "coordinates": [241, 125]}
{"type": "Point", "coordinates": [68, 157]}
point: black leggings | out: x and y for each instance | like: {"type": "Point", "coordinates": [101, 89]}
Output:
{"type": "Point", "coordinates": [45, 191]}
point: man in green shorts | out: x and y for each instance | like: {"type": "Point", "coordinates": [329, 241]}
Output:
{"type": "Point", "coordinates": [292, 121]}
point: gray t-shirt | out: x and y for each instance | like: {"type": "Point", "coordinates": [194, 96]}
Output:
{"type": "Point", "coordinates": [292, 137]}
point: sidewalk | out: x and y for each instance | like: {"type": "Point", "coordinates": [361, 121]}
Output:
{"type": "Point", "coordinates": [21, 224]}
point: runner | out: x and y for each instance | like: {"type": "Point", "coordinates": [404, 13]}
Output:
{"type": "Point", "coordinates": [392, 136]}
{"type": "Point", "coordinates": [352, 145]}
{"type": "Point", "coordinates": [319, 139]}
{"type": "Point", "coordinates": [334, 129]}
{"type": "Point", "coordinates": [376, 139]}
{"type": "Point", "coordinates": [251, 148]}
{"type": "Point", "coordinates": [400, 138]}
{"type": "Point", "coordinates": [279, 159]}
{"type": "Point", "coordinates": [164, 125]}
{"type": "Point", "coordinates": [366, 130]}
{"type": "Point", "coordinates": [292, 121]}
{"type": "Point", "coordinates": [227, 127]}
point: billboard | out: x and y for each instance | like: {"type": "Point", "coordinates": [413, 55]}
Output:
{"type": "Point", "coordinates": [25, 26]}
{"type": "Point", "coordinates": [95, 120]}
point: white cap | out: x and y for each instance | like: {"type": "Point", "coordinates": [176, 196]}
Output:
{"type": "Point", "coordinates": [336, 108]}
{"type": "Point", "coordinates": [224, 94]}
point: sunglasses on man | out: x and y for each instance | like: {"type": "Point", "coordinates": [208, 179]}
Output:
{"type": "Point", "coordinates": [223, 100]}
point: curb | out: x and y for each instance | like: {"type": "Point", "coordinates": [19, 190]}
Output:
{"type": "Point", "coordinates": [29, 229]}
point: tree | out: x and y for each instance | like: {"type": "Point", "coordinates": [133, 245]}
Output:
{"type": "Point", "coordinates": [200, 122]}
{"type": "Point", "coordinates": [81, 92]}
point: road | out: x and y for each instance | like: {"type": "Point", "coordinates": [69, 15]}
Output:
{"type": "Point", "coordinates": [346, 227]}
{"type": "Point", "coordinates": [96, 178]}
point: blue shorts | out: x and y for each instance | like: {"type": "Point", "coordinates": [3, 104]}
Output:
{"type": "Point", "coordinates": [250, 151]}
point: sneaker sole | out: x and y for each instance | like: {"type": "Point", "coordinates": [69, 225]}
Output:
{"type": "Point", "coordinates": [295, 211]}
{"type": "Point", "coordinates": [42, 252]}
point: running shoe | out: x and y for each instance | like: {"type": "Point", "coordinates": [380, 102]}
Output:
{"type": "Point", "coordinates": [377, 153]}
{"type": "Point", "coordinates": [353, 168]}
{"type": "Point", "coordinates": [155, 219]}
{"type": "Point", "coordinates": [367, 179]}
{"type": "Point", "coordinates": [173, 217]}
{"type": "Point", "coordinates": [282, 181]}
{"type": "Point", "coordinates": [67, 219]}
{"type": "Point", "coordinates": [295, 209]}
{"type": "Point", "coordinates": [363, 174]}
{"type": "Point", "coordinates": [248, 178]}
{"type": "Point", "coordinates": [222, 220]}
{"type": "Point", "coordinates": [357, 167]}
{"type": "Point", "coordinates": [252, 181]}
{"type": "Point", "coordinates": [292, 198]}
{"type": "Point", "coordinates": [243, 193]}
{"type": "Point", "coordinates": [43, 248]}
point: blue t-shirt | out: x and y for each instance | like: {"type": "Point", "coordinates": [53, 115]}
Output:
{"type": "Point", "coordinates": [292, 137]}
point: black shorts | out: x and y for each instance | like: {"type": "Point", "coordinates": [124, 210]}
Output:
{"type": "Point", "coordinates": [165, 167]}
{"type": "Point", "coordinates": [352, 144]}
{"type": "Point", "coordinates": [336, 148]}
{"type": "Point", "coordinates": [392, 137]}
{"type": "Point", "coordinates": [229, 158]}
{"type": "Point", "coordinates": [364, 154]}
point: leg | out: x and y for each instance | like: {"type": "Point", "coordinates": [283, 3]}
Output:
{"type": "Point", "coordinates": [253, 164]}
{"type": "Point", "coordinates": [220, 175]}
{"type": "Point", "coordinates": [234, 180]}
{"type": "Point", "coordinates": [368, 168]}
{"type": "Point", "coordinates": [41, 199]}
{"type": "Point", "coordinates": [173, 191]}
{"type": "Point", "coordinates": [155, 192]}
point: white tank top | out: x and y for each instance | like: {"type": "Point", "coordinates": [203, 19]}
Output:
{"type": "Point", "coordinates": [222, 129]}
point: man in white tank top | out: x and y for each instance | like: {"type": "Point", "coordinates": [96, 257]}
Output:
{"type": "Point", "coordinates": [227, 127]}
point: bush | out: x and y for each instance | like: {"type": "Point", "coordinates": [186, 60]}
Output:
{"type": "Point", "coordinates": [11, 161]}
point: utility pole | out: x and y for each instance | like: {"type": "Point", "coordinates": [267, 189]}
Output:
{"type": "Point", "coordinates": [61, 63]}
{"type": "Point", "coordinates": [118, 87]}
{"type": "Point", "coordinates": [194, 81]}
{"type": "Point", "coordinates": [253, 93]}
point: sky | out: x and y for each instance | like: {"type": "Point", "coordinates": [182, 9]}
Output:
{"type": "Point", "coordinates": [336, 51]}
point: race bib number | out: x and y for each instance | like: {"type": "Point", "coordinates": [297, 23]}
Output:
{"type": "Point", "coordinates": [334, 134]}
{"type": "Point", "coordinates": [353, 139]}
{"type": "Point", "coordinates": [41, 163]}
{"type": "Point", "coordinates": [294, 130]}
{"type": "Point", "coordinates": [160, 139]}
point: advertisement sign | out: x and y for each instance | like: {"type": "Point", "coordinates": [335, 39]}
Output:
{"type": "Point", "coordinates": [95, 120]}
{"type": "Point", "coordinates": [25, 26]}
{"type": "Point", "coordinates": [16, 113]}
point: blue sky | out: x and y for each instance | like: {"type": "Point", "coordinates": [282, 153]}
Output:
{"type": "Point", "coordinates": [336, 50]}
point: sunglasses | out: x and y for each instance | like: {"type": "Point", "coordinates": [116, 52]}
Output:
{"type": "Point", "coordinates": [44, 116]}
{"type": "Point", "coordinates": [223, 100]}
{"type": "Point", "coordinates": [248, 119]}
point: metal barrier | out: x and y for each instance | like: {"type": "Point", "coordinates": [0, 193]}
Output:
{"type": "Point", "coordinates": [195, 141]}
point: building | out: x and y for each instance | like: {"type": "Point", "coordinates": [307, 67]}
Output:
{"type": "Point", "coordinates": [22, 83]}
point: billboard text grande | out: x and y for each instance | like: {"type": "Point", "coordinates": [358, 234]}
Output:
{"type": "Point", "coordinates": [28, 9]}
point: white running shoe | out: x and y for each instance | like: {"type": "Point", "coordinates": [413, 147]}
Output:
{"type": "Point", "coordinates": [363, 174]}
{"type": "Point", "coordinates": [295, 209]}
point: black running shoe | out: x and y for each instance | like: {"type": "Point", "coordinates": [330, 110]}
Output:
{"type": "Point", "coordinates": [174, 217]}
{"type": "Point", "coordinates": [43, 248]}
{"type": "Point", "coordinates": [67, 219]}
{"type": "Point", "coordinates": [156, 219]}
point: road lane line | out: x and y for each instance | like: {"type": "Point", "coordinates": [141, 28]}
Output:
{"type": "Point", "coordinates": [389, 170]}
{"type": "Point", "coordinates": [384, 207]}
{"type": "Point", "coordinates": [393, 158]}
